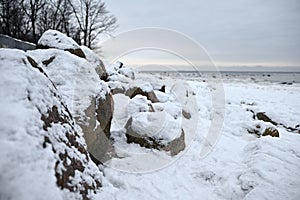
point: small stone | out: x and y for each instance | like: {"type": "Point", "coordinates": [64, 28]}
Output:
{"type": "Point", "coordinates": [271, 131]}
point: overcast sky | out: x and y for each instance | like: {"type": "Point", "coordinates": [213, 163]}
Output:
{"type": "Point", "coordinates": [234, 32]}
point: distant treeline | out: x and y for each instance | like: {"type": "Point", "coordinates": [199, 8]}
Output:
{"type": "Point", "coordinates": [83, 20]}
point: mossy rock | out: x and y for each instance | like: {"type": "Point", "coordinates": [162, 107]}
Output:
{"type": "Point", "coordinates": [271, 132]}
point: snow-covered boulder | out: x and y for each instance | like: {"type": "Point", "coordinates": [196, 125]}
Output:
{"type": "Point", "coordinates": [58, 40]}
{"type": "Point", "coordinates": [132, 92]}
{"type": "Point", "coordinates": [42, 150]}
{"type": "Point", "coordinates": [112, 69]}
{"type": "Point", "coordinates": [161, 96]}
{"type": "Point", "coordinates": [88, 97]}
{"type": "Point", "coordinates": [156, 128]}
{"type": "Point", "coordinates": [144, 130]}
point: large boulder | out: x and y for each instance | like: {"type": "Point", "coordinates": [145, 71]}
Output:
{"type": "Point", "coordinates": [43, 152]}
{"type": "Point", "coordinates": [97, 124]}
{"type": "Point", "coordinates": [88, 97]}
{"type": "Point", "coordinates": [76, 78]}
{"type": "Point", "coordinates": [58, 40]}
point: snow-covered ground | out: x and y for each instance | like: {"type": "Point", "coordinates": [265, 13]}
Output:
{"type": "Point", "coordinates": [240, 166]}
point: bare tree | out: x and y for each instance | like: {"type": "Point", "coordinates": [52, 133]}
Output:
{"type": "Point", "coordinates": [56, 14]}
{"type": "Point", "coordinates": [93, 19]}
{"type": "Point", "coordinates": [83, 20]}
{"type": "Point", "coordinates": [12, 20]}
{"type": "Point", "coordinates": [32, 9]}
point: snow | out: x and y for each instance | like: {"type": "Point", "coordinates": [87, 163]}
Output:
{"type": "Point", "coordinates": [159, 125]}
{"type": "Point", "coordinates": [145, 86]}
{"type": "Point", "coordinates": [164, 124]}
{"type": "Point", "coordinates": [240, 166]}
{"type": "Point", "coordinates": [113, 68]}
{"type": "Point", "coordinates": [162, 97]}
{"type": "Point", "coordinates": [90, 56]}
{"type": "Point", "coordinates": [75, 77]}
{"type": "Point", "coordinates": [56, 39]}
{"type": "Point", "coordinates": [102, 89]}
{"type": "Point", "coordinates": [138, 104]}
{"type": "Point", "coordinates": [126, 71]}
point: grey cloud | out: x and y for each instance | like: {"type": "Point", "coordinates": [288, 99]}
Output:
{"type": "Point", "coordinates": [234, 31]}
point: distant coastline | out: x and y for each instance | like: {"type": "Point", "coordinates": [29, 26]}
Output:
{"type": "Point", "coordinates": [244, 69]}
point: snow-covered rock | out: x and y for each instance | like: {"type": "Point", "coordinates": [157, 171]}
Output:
{"type": "Point", "coordinates": [153, 127]}
{"type": "Point", "coordinates": [58, 40]}
{"type": "Point", "coordinates": [43, 153]}
{"type": "Point", "coordinates": [147, 121]}
{"type": "Point", "coordinates": [76, 78]}
{"type": "Point", "coordinates": [88, 97]}
{"type": "Point", "coordinates": [144, 130]}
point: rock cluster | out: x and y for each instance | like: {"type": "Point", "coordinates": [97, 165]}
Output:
{"type": "Point", "coordinates": [151, 122]}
